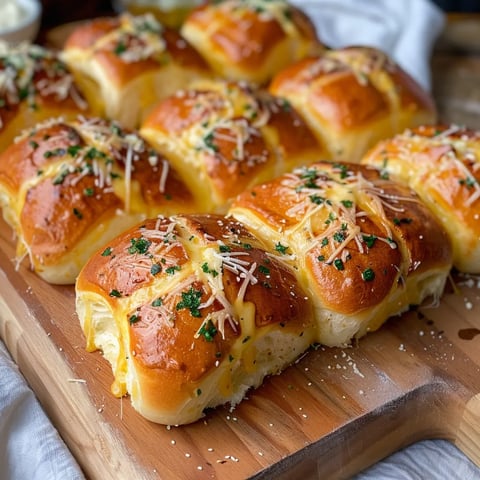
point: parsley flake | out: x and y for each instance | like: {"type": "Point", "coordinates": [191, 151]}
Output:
{"type": "Point", "coordinates": [191, 301]}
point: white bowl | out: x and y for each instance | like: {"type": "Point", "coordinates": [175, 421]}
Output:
{"type": "Point", "coordinates": [25, 26]}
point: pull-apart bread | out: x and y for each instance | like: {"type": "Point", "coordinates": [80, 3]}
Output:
{"type": "Point", "coordinates": [66, 188]}
{"type": "Point", "coordinates": [223, 137]}
{"type": "Point", "coordinates": [34, 85]}
{"type": "Point", "coordinates": [442, 164]}
{"type": "Point", "coordinates": [354, 97]}
{"type": "Point", "coordinates": [126, 64]}
{"type": "Point", "coordinates": [363, 247]}
{"type": "Point", "coordinates": [250, 40]}
{"type": "Point", "coordinates": [191, 312]}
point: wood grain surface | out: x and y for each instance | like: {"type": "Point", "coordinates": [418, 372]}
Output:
{"type": "Point", "coordinates": [331, 414]}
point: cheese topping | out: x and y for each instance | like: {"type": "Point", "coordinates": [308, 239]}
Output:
{"type": "Point", "coordinates": [104, 150]}
{"type": "Point", "coordinates": [326, 205]}
{"type": "Point", "coordinates": [137, 38]}
{"type": "Point", "coordinates": [28, 71]}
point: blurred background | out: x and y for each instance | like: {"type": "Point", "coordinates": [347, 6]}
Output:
{"type": "Point", "coordinates": [56, 12]}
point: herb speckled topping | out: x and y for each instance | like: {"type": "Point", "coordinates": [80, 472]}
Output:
{"type": "Point", "coordinates": [28, 71]}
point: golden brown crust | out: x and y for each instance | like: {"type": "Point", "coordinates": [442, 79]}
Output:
{"type": "Point", "coordinates": [129, 63]}
{"type": "Point", "coordinates": [36, 85]}
{"type": "Point", "coordinates": [250, 40]}
{"type": "Point", "coordinates": [359, 234]}
{"type": "Point", "coordinates": [215, 292]}
{"type": "Point", "coordinates": [66, 179]}
{"type": "Point", "coordinates": [231, 135]}
{"type": "Point", "coordinates": [353, 97]}
{"type": "Point", "coordinates": [440, 162]}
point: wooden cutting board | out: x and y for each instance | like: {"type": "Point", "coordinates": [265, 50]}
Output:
{"type": "Point", "coordinates": [333, 413]}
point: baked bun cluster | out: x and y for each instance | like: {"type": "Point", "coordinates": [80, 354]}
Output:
{"type": "Point", "coordinates": [223, 137]}
{"type": "Point", "coordinates": [214, 304]}
{"type": "Point", "coordinates": [353, 97]}
{"type": "Point", "coordinates": [209, 239]}
{"type": "Point", "coordinates": [442, 164]}
{"type": "Point", "coordinates": [67, 187]}
{"type": "Point", "coordinates": [364, 247]}
{"type": "Point", "coordinates": [250, 39]}
{"type": "Point", "coordinates": [34, 85]}
{"type": "Point", "coordinates": [206, 314]}
{"type": "Point", "coordinates": [126, 64]}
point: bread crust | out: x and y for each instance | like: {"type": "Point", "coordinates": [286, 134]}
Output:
{"type": "Point", "coordinates": [36, 85]}
{"type": "Point", "coordinates": [243, 40]}
{"type": "Point", "coordinates": [440, 162]}
{"type": "Point", "coordinates": [198, 319]}
{"type": "Point", "coordinates": [66, 186]}
{"type": "Point", "coordinates": [128, 63]}
{"type": "Point", "coordinates": [357, 239]}
{"type": "Point", "coordinates": [225, 136]}
{"type": "Point", "coordinates": [353, 97]}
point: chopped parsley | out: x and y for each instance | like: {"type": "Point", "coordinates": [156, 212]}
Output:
{"type": "Point", "coordinates": [399, 221]}
{"type": "Point", "coordinates": [347, 203]}
{"type": "Point", "coordinates": [369, 240]}
{"type": "Point", "coordinates": [115, 293]}
{"type": "Point", "coordinates": [77, 213]}
{"type": "Point", "coordinates": [207, 269]}
{"type": "Point", "coordinates": [208, 331]}
{"type": "Point", "coordinates": [191, 301]}
{"type": "Point", "coordinates": [88, 192]}
{"type": "Point", "coordinates": [224, 248]}
{"type": "Point", "coordinates": [338, 264]}
{"type": "Point", "coordinates": [468, 182]}
{"type": "Point", "coordinates": [59, 179]}
{"type": "Point", "coordinates": [368, 275]}
{"type": "Point", "coordinates": [264, 270]}
{"type": "Point", "coordinates": [281, 248]}
{"type": "Point", "coordinates": [155, 269]}
{"type": "Point", "coordinates": [158, 302]}
{"type": "Point", "coordinates": [139, 245]}
{"type": "Point", "coordinates": [107, 252]}
{"type": "Point", "coordinates": [171, 270]}
{"type": "Point", "coordinates": [133, 319]}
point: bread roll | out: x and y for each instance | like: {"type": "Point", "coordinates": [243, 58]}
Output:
{"type": "Point", "coordinates": [126, 64]}
{"type": "Point", "coordinates": [250, 39]}
{"type": "Point", "coordinates": [34, 85]}
{"type": "Point", "coordinates": [191, 312]}
{"type": "Point", "coordinates": [352, 98]}
{"type": "Point", "coordinates": [442, 164]}
{"type": "Point", "coordinates": [66, 188]}
{"type": "Point", "coordinates": [364, 247]}
{"type": "Point", "coordinates": [223, 137]}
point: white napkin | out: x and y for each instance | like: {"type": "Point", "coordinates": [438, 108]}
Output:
{"type": "Point", "coordinates": [30, 447]}
{"type": "Point", "coordinates": [404, 29]}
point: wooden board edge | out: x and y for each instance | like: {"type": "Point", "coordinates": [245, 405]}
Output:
{"type": "Point", "coordinates": [99, 451]}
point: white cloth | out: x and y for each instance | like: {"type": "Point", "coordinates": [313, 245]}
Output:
{"type": "Point", "coordinates": [30, 447]}
{"type": "Point", "coordinates": [404, 29]}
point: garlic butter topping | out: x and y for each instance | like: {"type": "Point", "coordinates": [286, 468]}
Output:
{"type": "Point", "coordinates": [137, 38]}
{"type": "Point", "coordinates": [29, 71]}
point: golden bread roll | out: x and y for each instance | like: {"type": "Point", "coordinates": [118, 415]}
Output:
{"type": "Point", "coordinates": [352, 98]}
{"type": "Point", "coordinates": [126, 64]}
{"type": "Point", "coordinates": [223, 137]}
{"type": "Point", "coordinates": [364, 247]}
{"type": "Point", "coordinates": [250, 40]}
{"type": "Point", "coordinates": [191, 312]}
{"type": "Point", "coordinates": [68, 187]}
{"type": "Point", "coordinates": [34, 86]}
{"type": "Point", "coordinates": [442, 164]}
